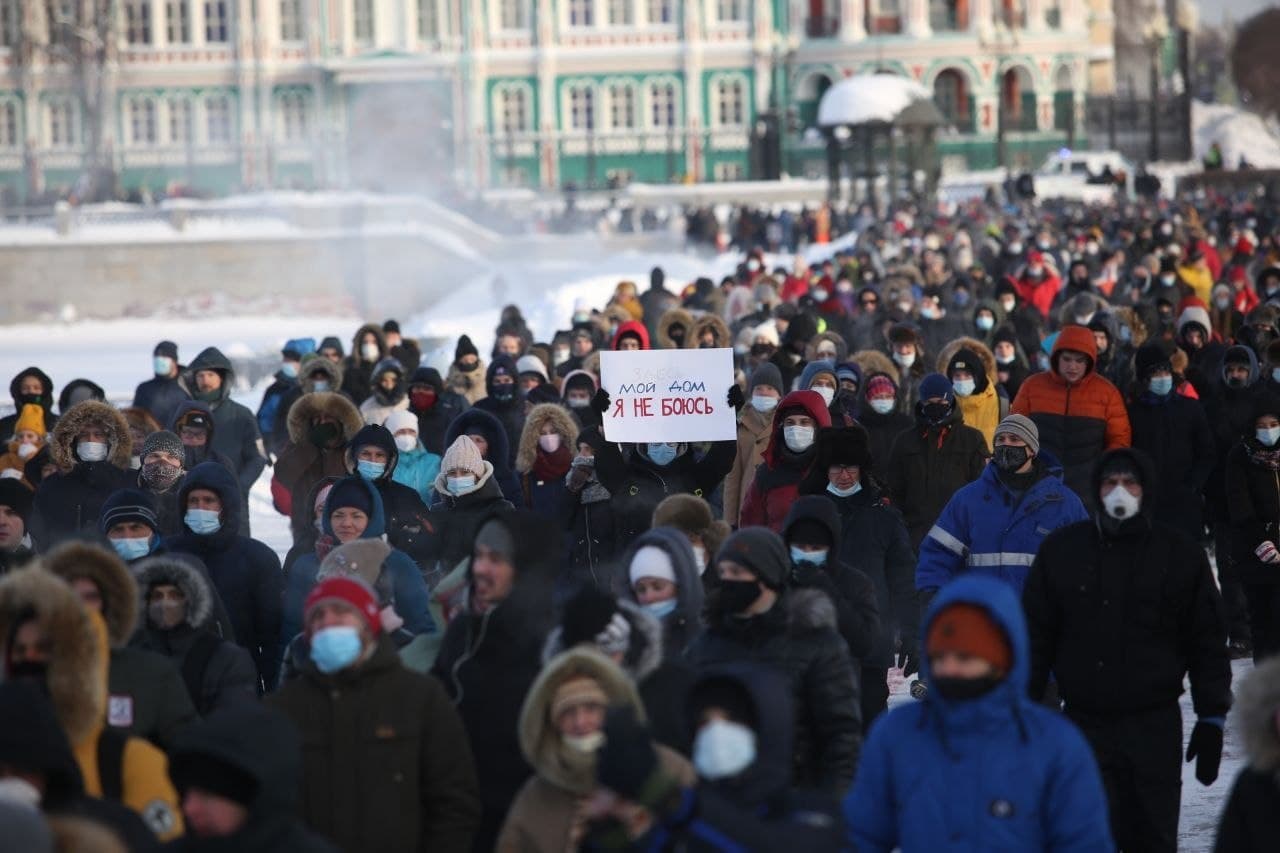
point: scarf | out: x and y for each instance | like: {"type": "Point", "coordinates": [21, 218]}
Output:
{"type": "Point", "coordinates": [1263, 457]}
{"type": "Point", "coordinates": [552, 466]}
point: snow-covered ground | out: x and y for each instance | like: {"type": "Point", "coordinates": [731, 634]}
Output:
{"type": "Point", "coordinates": [1237, 132]}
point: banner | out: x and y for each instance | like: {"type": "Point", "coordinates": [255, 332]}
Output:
{"type": "Point", "coordinates": [668, 395]}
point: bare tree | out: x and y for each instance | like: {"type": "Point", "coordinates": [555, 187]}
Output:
{"type": "Point", "coordinates": [1253, 65]}
{"type": "Point", "coordinates": [79, 38]}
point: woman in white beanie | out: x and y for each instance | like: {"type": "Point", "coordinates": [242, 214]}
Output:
{"type": "Point", "coordinates": [417, 467]}
{"type": "Point", "coordinates": [467, 493]}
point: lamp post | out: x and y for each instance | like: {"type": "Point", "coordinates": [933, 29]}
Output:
{"type": "Point", "coordinates": [1154, 34]}
{"type": "Point", "coordinates": [1000, 37]}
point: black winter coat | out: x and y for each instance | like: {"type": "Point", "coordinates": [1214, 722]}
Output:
{"type": "Point", "coordinates": [235, 433]}
{"type": "Point", "coordinates": [1120, 619]}
{"type": "Point", "coordinates": [161, 396]}
{"type": "Point", "coordinates": [8, 422]}
{"type": "Point", "coordinates": [408, 520]}
{"type": "Point", "coordinates": [68, 504]}
{"type": "Point", "coordinates": [638, 485]}
{"type": "Point", "coordinates": [1253, 507]}
{"type": "Point", "coordinates": [882, 431]}
{"type": "Point", "coordinates": [1230, 415]}
{"type": "Point", "coordinates": [434, 422]}
{"type": "Point", "coordinates": [797, 636]}
{"type": "Point", "coordinates": [477, 421]}
{"type": "Point", "coordinates": [1250, 822]}
{"type": "Point", "coordinates": [928, 465]}
{"type": "Point", "coordinates": [456, 520]}
{"type": "Point", "coordinates": [245, 572]}
{"type": "Point", "coordinates": [1174, 432]}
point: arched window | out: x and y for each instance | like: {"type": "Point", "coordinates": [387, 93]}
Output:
{"type": "Point", "coordinates": [951, 94]}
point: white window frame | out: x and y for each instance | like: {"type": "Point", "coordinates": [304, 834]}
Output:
{"type": "Point", "coordinates": [511, 16]}
{"type": "Point", "coordinates": [10, 124]}
{"type": "Point", "coordinates": [217, 27]}
{"type": "Point", "coordinates": [653, 13]}
{"type": "Point", "coordinates": [293, 21]}
{"type": "Point", "coordinates": [651, 103]}
{"type": "Point", "coordinates": [177, 21]}
{"type": "Point", "coordinates": [212, 114]}
{"type": "Point", "coordinates": [138, 23]}
{"type": "Point", "coordinates": [614, 93]}
{"type": "Point", "coordinates": [364, 22]}
{"type": "Point", "coordinates": [143, 114]}
{"type": "Point", "coordinates": [293, 107]}
{"type": "Point", "coordinates": [10, 23]}
{"type": "Point", "coordinates": [500, 108]}
{"type": "Point", "coordinates": [591, 89]}
{"type": "Point", "coordinates": [626, 17]}
{"type": "Point", "coordinates": [717, 90]}
{"type": "Point", "coordinates": [69, 121]}
{"type": "Point", "coordinates": [180, 117]}
{"type": "Point", "coordinates": [428, 24]}
{"type": "Point", "coordinates": [731, 11]}
{"type": "Point", "coordinates": [724, 172]}
{"type": "Point", "coordinates": [581, 14]}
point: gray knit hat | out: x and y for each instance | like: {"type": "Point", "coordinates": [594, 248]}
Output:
{"type": "Point", "coordinates": [165, 442]}
{"type": "Point", "coordinates": [1022, 427]}
{"type": "Point", "coordinates": [760, 550]}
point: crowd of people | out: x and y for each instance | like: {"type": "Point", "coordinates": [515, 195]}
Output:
{"type": "Point", "coordinates": [991, 454]}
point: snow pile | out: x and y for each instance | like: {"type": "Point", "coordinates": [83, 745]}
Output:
{"type": "Point", "coordinates": [866, 98]}
{"type": "Point", "coordinates": [1237, 131]}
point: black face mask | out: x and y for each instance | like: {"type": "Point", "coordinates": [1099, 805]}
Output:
{"type": "Point", "coordinates": [963, 689]}
{"type": "Point", "coordinates": [504, 393]}
{"type": "Point", "coordinates": [30, 400]}
{"type": "Point", "coordinates": [468, 368]}
{"type": "Point", "coordinates": [733, 597]}
{"type": "Point", "coordinates": [761, 350]}
{"type": "Point", "coordinates": [1235, 382]}
{"type": "Point", "coordinates": [935, 413]}
{"type": "Point", "coordinates": [676, 334]}
{"type": "Point", "coordinates": [322, 434]}
{"type": "Point", "coordinates": [1009, 458]}
{"type": "Point", "coordinates": [30, 672]}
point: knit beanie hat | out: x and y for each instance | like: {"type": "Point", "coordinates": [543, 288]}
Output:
{"type": "Point", "coordinates": [464, 349]}
{"type": "Point", "coordinates": [391, 326]}
{"type": "Point", "coordinates": [163, 441]}
{"type": "Point", "coordinates": [402, 419]}
{"type": "Point", "coordinates": [349, 590]}
{"type": "Point", "coordinates": [880, 386]}
{"type": "Point", "coordinates": [17, 497]}
{"type": "Point", "coordinates": [967, 359]}
{"type": "Point", "coordinates": [463, 454]}
{"type": "Point", "coordinates": [349, 492]}
{"type": "Point", "coordinates": [127, 505]}
{"type": "Point", "coordinates": [592, 616]}
{"type": "Point", "coordinates": [580, 690]}
{"type": "Point", "coordinates": [168, 349]}
{"type": "Point", "coordinates": [652, 562]}
{"type": "Point", "coordinates": [580, 380]}
{"type": "Point", "coordinates": [761, 551]}
{"type": "Point", "coordinates": [531, 364]}
{"type": "Point", "coordinates": [496, 536]}
{"type": "Point", "coordinates": [936, 385]}
{"type": "Point", "coordinates": [213, 774]}
{"type": "Point", "coordinates": [544, 393]}
{"type": "Point", "coordinates": [1022, 427]}
{"type": "Point", "coordinates": [968, 629]}
{"type": "Point", "coordinates": [31, 419]}
{"type": "Point", "coordinates": [769, 375]}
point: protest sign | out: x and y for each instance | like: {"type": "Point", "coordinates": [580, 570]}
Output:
{"type": "Point", "coordinates": [670, 395]}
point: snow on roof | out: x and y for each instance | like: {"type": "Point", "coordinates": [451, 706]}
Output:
{"type": "Point", "coordinates": [865, 98]}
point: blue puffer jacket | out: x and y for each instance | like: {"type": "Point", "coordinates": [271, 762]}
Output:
{"type": "Point", "coordinates": [997, 773]}
{"type": "Point", "coordinates": [985, 528]}
{"type": "Point", "coordinates": [407, 585]}
{"type": "Point", "coordinates": [417, 469]}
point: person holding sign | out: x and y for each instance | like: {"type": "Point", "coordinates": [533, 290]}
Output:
{"type": "Point", "coordinates": [786, 460]}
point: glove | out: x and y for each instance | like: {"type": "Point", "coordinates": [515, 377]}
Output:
{"type": "Point", "coordinates": [600, 402]}
{"type": "Point", "coordinates": [1205, 747]}
{"type": "Point", "coordinates": [1267, 553]}
{"type": "Point", "coordinates": [919, 690]}
{"type": "Point", "coordinates": [627, 762]}
{"type": "Point", "coordinates": [736, 397]}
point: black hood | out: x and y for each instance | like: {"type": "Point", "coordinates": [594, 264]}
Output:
{"type": "Point", "coordinates": [1146, 468]}
{"type": "Point", "coordinates": [527, 611]}
{"type": "Point", "coordinates": [31, 739]}
{"type": "Point", "coordinates": [211, 358]}
{"type": "Point", "coordinates": [381, 438]}
{"type": "Point", "coordinates": [258, 741]}
{"type": "Point", "coordinates": [217, 479]}
{"type": "Point", "coordinates": [87, 389]}
{"type": "Point", "coordinates": [478, 420]}
{"type": "Point", "coordinates": [46, 397]}
{"type": "Point", "coordinates": [815, 508]}
{"type": "Point", "coordinates": [428, 376]}
{"type": "Point", "coordinates": [770, 693]}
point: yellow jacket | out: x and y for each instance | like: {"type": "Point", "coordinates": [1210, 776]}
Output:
{"type": "Point", "coordinates": [1200, 280]}
{"type": "Point", "coordinates": [981, 410]}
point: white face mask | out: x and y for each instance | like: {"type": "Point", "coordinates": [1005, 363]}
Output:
{"type": "Point", "coordinates": [1007, 305]}
{"type": "Point", "coordinates": [369, 351]}
{"type": "Point", "coordinates": [700, 557]}
{"type": "Point", "coordinates": [1120, 504]}
{"type": "Point", "coordinates": [723, 749]}
{"type": "Point", "coordinates": [827, 394]}
{"type": "Point", "coordinates": [584, 743]}
{"type": "Point", "coordinates": [882, 405]}
{"type": "Point", "coordinates": [27, 450]}
{"type": "Point", "coordinates": [844, 493]}
{"type": "Point", "coordinates": [964, 387]}
{"type": "Point", "coordinates": [1268, 437]}
{"type": "Point", "coordinates": [798, 438]}
{"type": "Point", "coordinates": [549, 443]}
{"type": "Point", "coordinates": [904, 359]}
{"type": "Point", "coordinates": [406, 443]}
{"type": "Point", "coordinates": [92, 451]}
{"type": "Point", "coordinates": [763, 404]}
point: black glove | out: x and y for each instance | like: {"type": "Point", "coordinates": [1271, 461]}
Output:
{"type": "Point", "coordinates": [736, 397]}
{"type": "Point", "coordinates": [1205, 747]}
{"type": "Point", "coordinates": [600, 402]}
{"type": "Point", "coordinates": [627, 761]}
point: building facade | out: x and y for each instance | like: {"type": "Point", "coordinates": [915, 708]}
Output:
{"type": "Point", "coordinates": [223, 94]}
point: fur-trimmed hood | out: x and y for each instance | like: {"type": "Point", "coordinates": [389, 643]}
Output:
{"type": "Point", "coordinates": [167, 569]}
{"type": "Point", "coordinates": [310, 406]}
{"type": "Point", "coordinates": [355, 357]}
{"type": "Point", "coordinates": [540, 415]}
{"type": "Point", "coordinates": [873, 361]}
{"type": "Point", "coordinates": [712, 323]}
{"type": "Point", "coordinates": [810, 610]}
{"type": "Point", "coordinates": [644, 654]}
{"type": "Point", "coordinates": [120, 442]}
{"type": "Point", "coordinates": [673, 317]}
{"type": "Point", "coordinates": [842, 348]}
{"type": "Point", "coordinates": [977, 347]}
{"type": "Point", "coordinates": [74, 560]}
{"type": "Point", "coordinates": [692, 515]}
{"type": "Point", "coordinates": [77, 673]}
{"type": "Point", "coordinates": [1257, 702]}
{"type": "Point", "coordinates": [541, 744]}
{"type": "Point", "coordinates": [317, 363]}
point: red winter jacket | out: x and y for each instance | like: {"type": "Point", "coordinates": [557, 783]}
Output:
{"type": "Point", "coordinates": [777, 480]}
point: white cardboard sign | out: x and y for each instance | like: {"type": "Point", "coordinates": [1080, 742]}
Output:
{"type": "Point", "coordinates": [670, 395]}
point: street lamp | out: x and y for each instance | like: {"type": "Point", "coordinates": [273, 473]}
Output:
{"type": "Point", "coordinates": [1154, 34]}
{"type": "Point", "coordinates": [1000, 37]}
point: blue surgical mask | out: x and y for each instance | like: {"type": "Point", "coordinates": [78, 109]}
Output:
{"type": "Point", "coordinates": [1161, 385]}
{"type": "Point", "coordinates": [661, 454]}
{"type": "Point", "coordinates": [661, 609]}
{"type": "Point", "coordinates": [290, 369]}
{"type": "Point", "coordinates": [964, 387]}
{"type": "Point", "coordinates": [1268, 437]}
{"type": "Point", "coordinates": [1275, 373]}
{"type": "Point", "coordinates": [320, 385]}
{"type": "Point", "coordinates": [335, 648]}
{"type": "Point", "coordinates": [723, 749]}
{"type": "Point", "coordinates": [132, 549]}
{"type": "Point", "coordinates": [985, 322]}
{"type": "Point", "coordinates": [816, 558]}
{"type": "Point", "coordinates": [371, 470]}
{"type": "Point", "coordinates": [162, 364]}
{"type": "Point", "coordinates": [844, 493]}
{"type": "Point", "coordinates": [459, 485]}
{"type": "Point", "coordinates": [882, 405]}
{"type": "Point", "coordinates": [763, 404]}
{"type": "Point", "coordinates": [202, 522]}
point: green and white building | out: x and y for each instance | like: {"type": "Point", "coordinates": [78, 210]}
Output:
{"type": "Point", "coordinates": [220, 94]}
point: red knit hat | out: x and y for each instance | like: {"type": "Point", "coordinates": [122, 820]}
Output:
{"type": "Point", "coordinates": [351, 591]}
{"type": "Point", "coordinates": [968, 629]}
